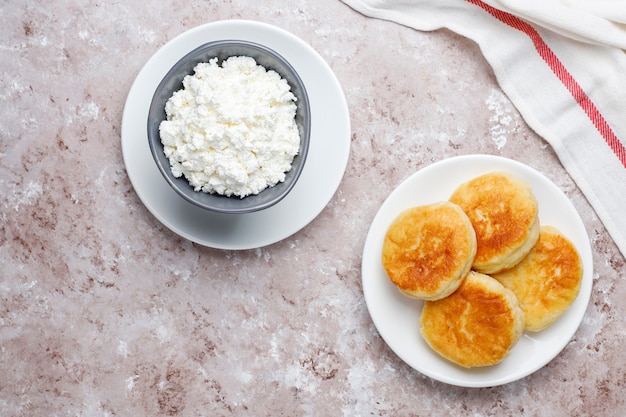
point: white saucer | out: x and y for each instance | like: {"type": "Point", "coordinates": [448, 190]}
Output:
{"type": "Point", "coordinates": [396, 316]}
{"type": "Point", "coordinates": [326, 162]}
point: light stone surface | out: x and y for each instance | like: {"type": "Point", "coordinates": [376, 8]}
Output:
{"type": "Point", "coordinates": [105, 312]}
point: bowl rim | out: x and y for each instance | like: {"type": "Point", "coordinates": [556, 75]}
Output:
{"type": "Point", "coordinates": [156, 147]}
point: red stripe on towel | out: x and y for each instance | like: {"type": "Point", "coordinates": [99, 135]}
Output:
{"type": "Point", "coordinates": [564, 76]}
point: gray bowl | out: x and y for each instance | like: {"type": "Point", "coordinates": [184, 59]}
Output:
{"type": "Point", "coordinates": [173, 82]}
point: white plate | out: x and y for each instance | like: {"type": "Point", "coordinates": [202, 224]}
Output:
{"type": "Point", "coordinates": [396, 316]}
{"type": "Point", "coordinates": [323, 171]}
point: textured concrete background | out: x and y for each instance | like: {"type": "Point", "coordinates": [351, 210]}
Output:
{"type": "Point", "coordinates": [105, 312]}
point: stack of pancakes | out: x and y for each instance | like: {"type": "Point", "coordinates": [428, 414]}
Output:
{"type": "Point", "coordinates": [485, 268]}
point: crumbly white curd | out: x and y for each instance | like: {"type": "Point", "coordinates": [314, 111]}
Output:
{"type": "Point", "coordinates": [231, 130]}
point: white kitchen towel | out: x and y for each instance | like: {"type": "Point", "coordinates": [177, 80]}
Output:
{"type": "Point", "coordinates": [564, 72]}
{"type": "Point", "coordinates": [599, 21]}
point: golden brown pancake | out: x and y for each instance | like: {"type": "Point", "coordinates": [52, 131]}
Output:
{"type": "Point", "coordinates": [477, 325]}
{"type": "Point", "coordinates": [505, 215]}
{"type": "Point", "coordinates": [547, 281]}
{"type": "Point", "coordinates": [428, 250]}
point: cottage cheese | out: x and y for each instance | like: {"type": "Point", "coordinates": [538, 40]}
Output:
{"type": "Point", "coordinates": [231, 130]}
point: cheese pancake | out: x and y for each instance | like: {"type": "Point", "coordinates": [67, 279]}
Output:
{"type": "Point", "coordinates": [428, 250]}
{"type": "Point", "coordinates": [477, 325]}
{"type": "Point", "coordinates": [505, 215]}
{"type": "Point", "coordinates": [547, 281]}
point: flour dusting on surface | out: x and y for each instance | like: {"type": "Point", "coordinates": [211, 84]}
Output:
{"type": "Point", "coordinates": [26, 195]}
{"type": "Point", "coordinates": [501, 119]}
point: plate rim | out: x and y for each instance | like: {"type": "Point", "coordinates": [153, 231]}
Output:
{"type": "Point", "coordinates": [474, 378]}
